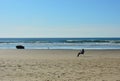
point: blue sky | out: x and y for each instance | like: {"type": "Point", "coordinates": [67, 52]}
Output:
{"type": "Point", "coordinates": [59, 18]}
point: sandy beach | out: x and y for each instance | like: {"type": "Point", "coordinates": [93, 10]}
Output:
{"type": "Point", "coordinates": [59, 65]}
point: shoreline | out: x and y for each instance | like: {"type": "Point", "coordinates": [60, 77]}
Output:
{"type": "Point", "coordinates": [67, 49]}
{"type": "Point", "coordinates": [57, 49]}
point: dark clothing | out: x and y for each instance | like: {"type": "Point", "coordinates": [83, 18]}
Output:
{"type": "Point", "coordinates": [81, 52]}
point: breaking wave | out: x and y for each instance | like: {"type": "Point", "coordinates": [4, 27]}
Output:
{"type": "Point", "coordinates": [61, 43]}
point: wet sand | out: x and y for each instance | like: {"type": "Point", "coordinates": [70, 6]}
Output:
{"type": "Point", "coordinates": [59, 65]}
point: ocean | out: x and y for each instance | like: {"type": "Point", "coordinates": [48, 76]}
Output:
{"type": "Point", "coordinates": [61, 43]}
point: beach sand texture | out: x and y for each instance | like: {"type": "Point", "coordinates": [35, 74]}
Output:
{"type": "Point", "coordinates": [59, 65]}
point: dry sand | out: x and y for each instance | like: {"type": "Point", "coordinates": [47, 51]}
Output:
{"type": "Point", "coordinates": [59, 65]}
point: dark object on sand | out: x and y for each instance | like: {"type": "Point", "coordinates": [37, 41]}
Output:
{"type": "Point", "coordinates": [20, 47]}
{"type": "Point", "coordinates": [81, 52]}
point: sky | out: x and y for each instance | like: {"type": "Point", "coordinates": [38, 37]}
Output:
{"type": "Point", "coordinates": [59, 18]}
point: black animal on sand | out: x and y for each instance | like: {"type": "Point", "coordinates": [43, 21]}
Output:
{"type": "Point", "coordinates": [81, 52]}
{"type": "Point", "coordinates": [20, 47]}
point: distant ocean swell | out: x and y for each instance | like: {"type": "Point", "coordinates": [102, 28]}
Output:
{"type": "Point", "coordinates": [92, 41]}
{"type": "Point", "coordinates": [64, 41]}
{"type": "Point", "coordinates": [61, 43]}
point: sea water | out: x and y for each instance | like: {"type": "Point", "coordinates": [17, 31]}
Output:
{"type": "Point", "coordinates": [61, 43]}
